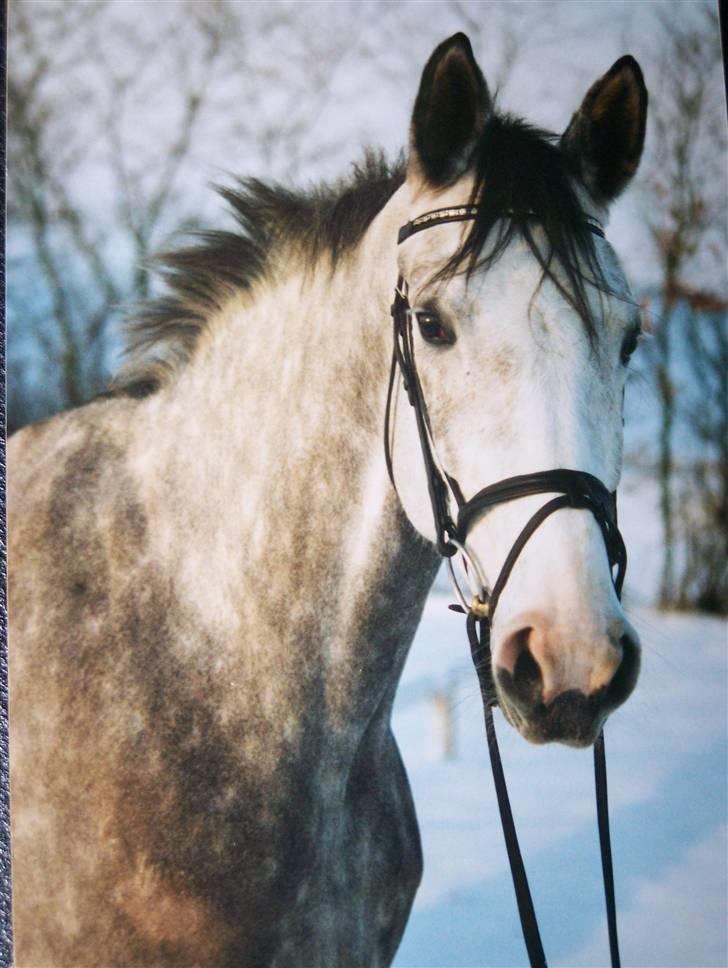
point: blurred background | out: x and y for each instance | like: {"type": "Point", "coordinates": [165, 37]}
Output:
{"type": "Point", "coordinates": [122, 113]}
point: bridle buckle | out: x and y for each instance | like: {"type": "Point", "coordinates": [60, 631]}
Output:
{"type": "Point", "coordinates": [479, 608]}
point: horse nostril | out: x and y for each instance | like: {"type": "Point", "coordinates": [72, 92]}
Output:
{"type": "Point", "coordinates": [534, 666]}
{"type": "Point", "coordinates": [624, 679]}
{"type": "Point", "coordinates": [522, 671]}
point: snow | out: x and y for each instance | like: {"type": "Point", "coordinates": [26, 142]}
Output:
{"type": "Point", "coordinates": [667, 762]}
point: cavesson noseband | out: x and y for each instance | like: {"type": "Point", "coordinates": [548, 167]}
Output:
{"type": "Point", "coordinates": [575, 489]}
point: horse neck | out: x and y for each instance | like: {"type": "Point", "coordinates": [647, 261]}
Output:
{"type": "Point", "coordinates": [295, 532]}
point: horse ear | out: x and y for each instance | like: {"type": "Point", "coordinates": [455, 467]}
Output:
{"type": "Point", "coordinates": [606, 135]}
{"type": "Point", "coordinates": [450, 112]}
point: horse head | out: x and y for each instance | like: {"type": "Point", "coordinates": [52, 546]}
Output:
{"type": "Point", "coordinates": [522, 325]}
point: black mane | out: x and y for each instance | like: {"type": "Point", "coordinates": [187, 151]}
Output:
{"type": "Point", "coordinates": [523, 181]}
{"type": "Point", "coordinates": [162, 333]}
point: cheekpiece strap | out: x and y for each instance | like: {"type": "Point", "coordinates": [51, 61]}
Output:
{"type": "Point", "coordinates": [403, 357]}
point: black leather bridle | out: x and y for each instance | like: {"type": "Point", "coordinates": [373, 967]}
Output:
{"type": "Point", "coordinates": [575, 489]}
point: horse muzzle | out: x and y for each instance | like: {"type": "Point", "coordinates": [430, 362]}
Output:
{"type": "Point", "coordinates": [557, 689]}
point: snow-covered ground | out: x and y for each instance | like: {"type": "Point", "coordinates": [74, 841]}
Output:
{"type": "Point", "coordinates": [667, 762]}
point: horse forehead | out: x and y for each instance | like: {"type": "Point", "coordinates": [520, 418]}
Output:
{"type": "Point", "coordinates": [512, 301]}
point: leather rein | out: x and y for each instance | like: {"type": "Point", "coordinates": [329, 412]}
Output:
{"type": "Point", "coordinates": [574, 489]}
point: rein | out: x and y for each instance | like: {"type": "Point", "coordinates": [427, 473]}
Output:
{"type": "Point", "coordinates": [575, 489]}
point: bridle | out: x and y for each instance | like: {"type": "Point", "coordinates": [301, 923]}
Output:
{"type": "Point", "coordinates": [574, 489]}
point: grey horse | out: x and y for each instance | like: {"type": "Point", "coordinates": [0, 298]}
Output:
{"type": "Point", "coordinates": [214, 584]}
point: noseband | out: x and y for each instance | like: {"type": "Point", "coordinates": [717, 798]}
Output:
{"type": "Point", "coordinates": [574, 489]}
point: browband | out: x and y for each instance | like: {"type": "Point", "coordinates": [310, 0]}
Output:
{"type": "Point", "coordinates": [463, 213]}
{"type": "Point", "coordinates": [460, 213]}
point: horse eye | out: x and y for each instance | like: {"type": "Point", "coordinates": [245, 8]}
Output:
{"type": "Point", "coordinates": [629, 345]}
{"type": "Point", "coordinates": [432, 329]}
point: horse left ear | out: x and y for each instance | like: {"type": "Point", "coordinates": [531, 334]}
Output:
{"type": "Point", "coordinates": [450, 112]}
{"type": "Point", "coordinates": [606, 135]}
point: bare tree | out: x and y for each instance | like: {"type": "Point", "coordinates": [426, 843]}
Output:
{"type": "Point", "coordinates": [40, 209]}
{"type": "Point", "coordinates": [686, 192]}
{"type": "Point", "coordinates": [703, 481]}
{"type": "Point", "coordinates": [78, 254]}
{"type": "Point", "coordinates": [107, 113]}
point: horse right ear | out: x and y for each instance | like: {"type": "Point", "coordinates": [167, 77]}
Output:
{"type": "Point", "coordinates": [450, 112]}
{"type": "Point", "coordinates": [606, 135]}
